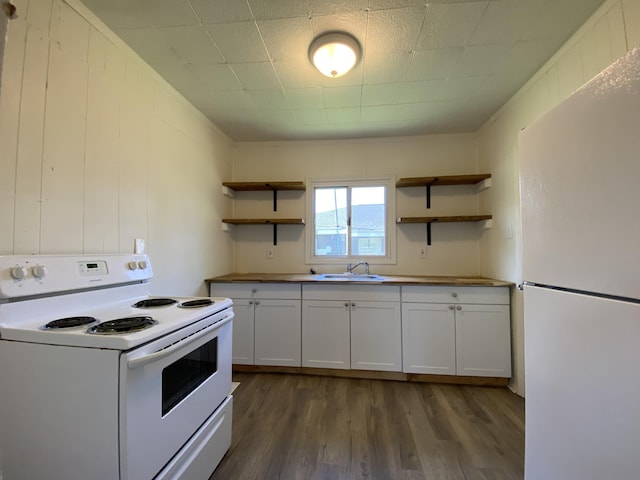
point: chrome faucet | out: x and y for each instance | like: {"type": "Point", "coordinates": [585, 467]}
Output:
{"type": "Point", "coordinates": [351, 266]}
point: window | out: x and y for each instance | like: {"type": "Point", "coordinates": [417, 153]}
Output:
{"type": "Point", "coordinates": [350, 219]}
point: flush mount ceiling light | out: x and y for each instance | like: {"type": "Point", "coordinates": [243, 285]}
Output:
{"type": "Point", "coordinates": [334, 53]}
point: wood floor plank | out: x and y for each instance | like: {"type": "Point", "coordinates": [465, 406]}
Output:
{"type": "Point", "coordinates": [288, 426]}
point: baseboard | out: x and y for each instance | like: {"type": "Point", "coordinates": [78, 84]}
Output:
{"type": "Point", "coordinates": [377, 375]}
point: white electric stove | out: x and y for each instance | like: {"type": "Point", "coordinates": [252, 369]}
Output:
{"type": "Point", "coordinates": [105, 381]}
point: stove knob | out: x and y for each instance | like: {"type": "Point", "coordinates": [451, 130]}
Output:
{"type": "Point", "coordinates": [39, 271]}
{"type": "Point", "coordinates": [132, 265]}
{"type": "Point", "coordinates": [19, 273]}
{"type": "Point", "coordinates": [142, 265]}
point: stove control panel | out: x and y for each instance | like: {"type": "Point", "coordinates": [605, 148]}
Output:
{"type": "Point", "coordinates": [97, 267]}
{"type": "Point", "coordinates": [32, 275]}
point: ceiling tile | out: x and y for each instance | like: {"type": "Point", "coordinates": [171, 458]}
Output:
{"type": "Point", "coordinates": [421, 91]}
{"type": "Point", "coordinates": [256, 75]}
{"type": "Point", "coordinates": [394, 30]}
{"type": "Point", "coordinates": [450, 25]}
{"type": "Point", "coordinates": [229, 101]}
{"type": "Point", "coordinates": [501, 22]}
{"type": "Point", "coordinates": [343, 115]}
{"type": "Point", "coordinates": [297, 74]}
{"type": "Point", "coordinates": [380, 94]}
{"type": "Point", "coordinates": [269, 99]}
{"type": "Point", "coordinates": [386, 4]}
{"type": "Point", "coordinates": [330, 7]}
{"type": "Point", "coordinates": [149, 44]}
{"type": "Point", "coordinates": [191, 44]}
{"type": "Point", "coordinates": [481, 59]}
{"type": "Point", "coordinates": [239, 42]}
{"type": "Point", "coordinates": [311, 116]}
{"type": "Point", "coordinates": [143, 13]}
{"type": "Point", "coordinates": [287, 40]}
{"type": "Point", "coordinates": [432, 64]}
{"type": "Point", "coordinates": [267, 10]}
{"type": "Point", "coordinates": [304, 98]}
{"type": "Point", "coordinates": [342, 97]}
{"type": "Point", "coordinates": [222, 11]}
{"type": "Point", "coordinates": [354, 23]}
{"type": "Point", "coordinates": [386, 67]}
{"type": "Point", "coordinates": [378, 113]}
{"type": "Point", "coordinates": [441, 89]}
{"type": "Point", "coordinates": [217, 77]}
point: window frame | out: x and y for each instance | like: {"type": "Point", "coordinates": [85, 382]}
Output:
{"type": "Point", "coordinates": [390, 220]}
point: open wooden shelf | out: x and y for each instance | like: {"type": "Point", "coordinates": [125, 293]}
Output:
{"type": "Point", "coordinates": [445, 180]}
{"type": "Point", "coordinates": [429, 220]}
{"type": "Point", "coordinates": [458, 218]}
{"type": "Point", "coordinates": [429, 182]}
{"type": "Point", "coordinates": [265, 221]}
{"type": "Point", "coordinates": [264, 186]}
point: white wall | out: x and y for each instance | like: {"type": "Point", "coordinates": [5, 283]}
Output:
{"type": "Point", "coordinates": [612, 31]}
{"type": "Point", "coordinates": [455, 246]}
{"type": "Point", "coordinates": [98, 150]}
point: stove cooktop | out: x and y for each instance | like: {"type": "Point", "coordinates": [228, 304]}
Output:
{"type": "Point", "coordinates": [119, 324]}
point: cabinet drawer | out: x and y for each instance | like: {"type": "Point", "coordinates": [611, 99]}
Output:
{"type": "Point", "coordinates": [456, 294]}
{"type": "Point", "coordinates": [274, 291]}
{"type": "Point", "coordinates": [380, 293]}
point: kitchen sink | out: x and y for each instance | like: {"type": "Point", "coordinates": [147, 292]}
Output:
{"type": "Point", "coordinates": [354, 277]}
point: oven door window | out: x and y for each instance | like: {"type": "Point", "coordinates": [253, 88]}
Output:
{"type": "Point", "coordinates": [185, 375]}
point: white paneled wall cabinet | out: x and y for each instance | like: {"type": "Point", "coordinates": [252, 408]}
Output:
{"type": "Point", "coordinates": [413, 329]}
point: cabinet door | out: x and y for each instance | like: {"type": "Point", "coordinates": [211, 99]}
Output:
{"type": "Point", "coordinates": [376, 341]}
{"type": "Point", "coordinates": [243, 333]}
{"type": "Point", "coordinates": [325, 334]}
{"type": "Point", "coordinates": [428, 338]}
{"type": "Point", "coordinates": [483, 340]}
{"type": "Point", "coordinates": [277, 332]}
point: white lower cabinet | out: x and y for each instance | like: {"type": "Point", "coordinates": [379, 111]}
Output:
{"type": "Point", "coordinates": [428, 339]}
{"type": "Point", "coordinates": [483, 340]}
{"type": "Point", "coordinates": [326, 334]}
{"type": "Point", "coordinates": [438, 330]}
{"type": "Point", "coordinates": [277, 332]}
{"type": "Point", "coordinates": [444, 335]}
{"type": "Point", "coordinates": [243, 331]}
{"type": "Point", "coordinates": [266, 327]}
{"type": "Point", "coordinates": [344, 327]}
{"type": "Point", "coordinates": [376, 338]}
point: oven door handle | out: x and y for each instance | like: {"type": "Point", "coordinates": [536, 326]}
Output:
{"type": "Point", "coordinates": [136, 362]}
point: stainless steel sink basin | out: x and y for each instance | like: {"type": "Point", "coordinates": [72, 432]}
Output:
{"type": "Point", "coordinates": [354, 277]}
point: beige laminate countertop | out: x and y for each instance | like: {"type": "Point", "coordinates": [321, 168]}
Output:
{"type": "Point", "coordinates": [385, 279]}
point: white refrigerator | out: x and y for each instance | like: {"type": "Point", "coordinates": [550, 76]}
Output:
{"type": "Point", "coordinates": [580, 196]}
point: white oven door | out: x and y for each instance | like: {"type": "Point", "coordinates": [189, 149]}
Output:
{"type": "Point", "coordinates": [168, 389]}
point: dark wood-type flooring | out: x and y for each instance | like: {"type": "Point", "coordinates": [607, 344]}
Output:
{"type": "Point", "coordinates": [307, 427]}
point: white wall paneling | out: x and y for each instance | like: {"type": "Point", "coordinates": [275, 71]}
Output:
{"type": "Point", "coordinates": [99, 150]}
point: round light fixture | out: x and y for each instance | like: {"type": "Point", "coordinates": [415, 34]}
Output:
{"type": "Point", "coordinates": [334, 53]}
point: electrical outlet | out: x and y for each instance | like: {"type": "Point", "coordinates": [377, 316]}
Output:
{"type": "Point", "coordinates": [138, 245]}
{"type": "Point", "coordinates": [422, 252]}
{"type": "Point", "coordinates": [269, 253]}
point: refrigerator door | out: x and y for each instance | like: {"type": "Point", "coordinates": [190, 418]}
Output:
{"type": "Point", "coordinates": [583, 394]}
{"type": "Point", "coordinates": [580, 187]}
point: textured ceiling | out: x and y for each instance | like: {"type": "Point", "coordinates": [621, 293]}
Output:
{"type": "Point", "coordinates": [427, 67]}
